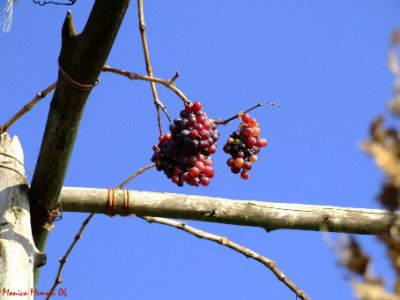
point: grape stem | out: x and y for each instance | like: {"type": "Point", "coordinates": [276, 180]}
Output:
{"type": "Point", "coordinates": [238, 115]}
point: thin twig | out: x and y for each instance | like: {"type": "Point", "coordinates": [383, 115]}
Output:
{"type": "Point", "coordinates": [270, 264]}
{"type": "Point", "coordinates": [27, 107]}
{"type": "Point", "coordinates": [134, 175]}
{"type": "Point", "coordinates": [142, 28]}
{"type": "Point", "coordinates": [238, 115]}
{"type": "Point", "coordinates": [167, 83]}
{"type": "Point", "coordinates": [63, 260]}
{"type": "Point", "coordinates": [78, 236]}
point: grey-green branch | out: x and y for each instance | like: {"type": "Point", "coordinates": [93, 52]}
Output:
{"type": "Point", "coordinates": [267, 215]}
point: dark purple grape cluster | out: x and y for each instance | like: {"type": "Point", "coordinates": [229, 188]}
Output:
{"type": "Point", "coordinates": [243, 145]}
{"type": "Point", "coordinates": [184, 154]}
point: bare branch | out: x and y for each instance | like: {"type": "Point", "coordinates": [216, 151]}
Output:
{"type": "Point", "coordinates": [27, 107]}
{"type": "Point", "coordinates": [270, 264]}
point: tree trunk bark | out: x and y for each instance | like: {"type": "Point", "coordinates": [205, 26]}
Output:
{"type": "Point", "coordinates": [18, 254]}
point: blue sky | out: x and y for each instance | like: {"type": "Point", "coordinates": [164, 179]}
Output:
{"type": "Point", "coordinates": [323, 61]}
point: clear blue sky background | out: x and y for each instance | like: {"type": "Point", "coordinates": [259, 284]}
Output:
{"type": "Point", "coordinates": [324, 61]}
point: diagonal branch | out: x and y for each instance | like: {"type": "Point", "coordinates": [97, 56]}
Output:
{"type": "Point", "coordinates": [27, 107]}
{"type": "Point", "coordinates": [270, 264]}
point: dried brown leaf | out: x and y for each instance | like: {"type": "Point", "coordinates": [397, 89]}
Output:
{"type": "Point", "coordinates": [372, 290]}
{"type": "Point", "coordinates": [353, 258]}
{"type": "Point", "coordinates": [390, 196]}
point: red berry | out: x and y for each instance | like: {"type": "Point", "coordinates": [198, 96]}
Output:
{"type": "Point", "coordinates": [166, 137]}
{"type": "Point", "coordinates": [193, 133]}
{"type": "Point", "coordinates": [253, 158]}
{"type": "Point", "coordinates": [246, 118]}
{"type": "Point", "coordinates": [227, 148]}
{"type": "Point", "coordinates": [247, 131]}
{"type": "Point", "coordinates": [201, 119]}
{"type": "Point", "coordinates": [230, 162]}
{"type": "Point", "coordinates": [247, 165]}
{"type": "Point", "coordinates": [256, 131]}
{"type": "Point", "coordinates": [251, 141]}
{"type": "Point", "coordinates": [204, 134]}
{"type": "Point", "coordinates": [208, 171]}
{"type": "Point", "coordinates": [207, 125]}
{"type": "Point", "coordinates": [262, 143]}
{"type": "Point", "coordinates": [253, 123]}
{"type": "Point", "coordinates": [186, 176]}
{"type": "Point", "coordinates": [194, 172]}
{"type": "Point", "coordinates": [212, 149]}
{"type": "Point", "coordinates": [204, 180]}
{"type": "Point", "coordinates": [197, 106]}
{"type": "Point", "coordinates": [199, 165]}
{"type": "Point", "coordinates": [240, 154]}
{"type": "Point", "coordinates": [239, 162]}
{"type": "Point", "coordinates": [245, 175]}
{"type": "Point", "coordinates": [235, 170]}
{"type": "Point", "coordinates": [175, 179]}
{"type": "Point", "coordinates": [188, 108]}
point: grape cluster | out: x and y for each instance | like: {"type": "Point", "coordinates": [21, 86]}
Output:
{"type": "Point", "coordinates": [243, 145]}
{"type": "Point", "coordinates": [184, 154]}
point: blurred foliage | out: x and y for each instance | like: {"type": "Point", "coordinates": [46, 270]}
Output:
{"type": "Point", "coordinates": [383, 146]}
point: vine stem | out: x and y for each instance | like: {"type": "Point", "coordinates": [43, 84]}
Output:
{"type": "Point", "coordinates": [157, 102]}
{"type": "Point", "coordinates": [238, 115]}
{"type": "Point", "coordinates": [168, 83]}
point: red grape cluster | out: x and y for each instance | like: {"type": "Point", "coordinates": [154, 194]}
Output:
{"type": "Point", "coordinates": [243, 145]}
{"type": "Point", "coordinates": [184, 154]}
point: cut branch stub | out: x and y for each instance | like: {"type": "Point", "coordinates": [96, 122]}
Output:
{"type": "Point", "coordinates": [18, 254]}
{"type": "Point", "coordinates": [81, 60]}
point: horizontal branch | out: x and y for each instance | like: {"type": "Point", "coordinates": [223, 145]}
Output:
{"type": "Point", "coordinates": [267, 215]}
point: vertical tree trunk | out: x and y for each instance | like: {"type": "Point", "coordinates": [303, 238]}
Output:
{"type": "Point", "coordinates": [18, 254]}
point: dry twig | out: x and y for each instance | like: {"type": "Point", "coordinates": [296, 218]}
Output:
{"type": "Point", "coordinates": [270, 264]}
{"type": "Point", "coordinates": [63, 260]}
{"type": "Point", "coordinates": [157, 102]}
{"type": "Point", "coordinates": [170, 84]}
{"type": "Point", "coordinates": [27, 107]}
{"type": "Point", "coordinates": [134, 175]}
